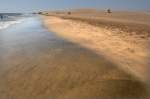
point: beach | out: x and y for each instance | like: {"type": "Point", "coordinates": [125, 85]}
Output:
{"type": "Point", "coordinates": [49, 56]}
{"type": "Point", "coordinates": [120, 37]}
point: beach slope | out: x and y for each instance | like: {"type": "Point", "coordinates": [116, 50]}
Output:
{"type": "Point", "coordinates": [122, 37]}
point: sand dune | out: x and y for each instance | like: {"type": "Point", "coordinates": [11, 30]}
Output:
{"type": "Point", "coordinates": [122, 37]}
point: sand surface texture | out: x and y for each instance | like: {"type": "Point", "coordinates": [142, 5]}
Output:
{"type": "Point", "coordinates": [117, 37]}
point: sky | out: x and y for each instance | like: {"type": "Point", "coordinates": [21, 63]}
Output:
{"type": "Point", "coordinates": [37, 5]}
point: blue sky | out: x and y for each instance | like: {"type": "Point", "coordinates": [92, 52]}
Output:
{"type": "Point", "coordinates": [36, 5]}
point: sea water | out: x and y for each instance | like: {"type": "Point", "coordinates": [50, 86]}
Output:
{"type": "Point", "coordinates": [9, 19]}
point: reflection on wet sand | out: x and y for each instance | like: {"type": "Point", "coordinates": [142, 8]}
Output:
{"type": "Point", "coordinates": [37, 63]}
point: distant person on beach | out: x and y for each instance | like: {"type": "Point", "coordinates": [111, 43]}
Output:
{"type": "Point", "coordinates": [69, 13]}
{"type": "Point", "coordinates": [109, 11]}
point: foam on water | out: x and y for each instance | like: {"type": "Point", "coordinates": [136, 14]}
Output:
{"type": "Point", "coordinates": [6, 24]}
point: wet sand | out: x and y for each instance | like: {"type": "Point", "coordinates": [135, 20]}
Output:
{"type": "Point", "coordinates": [36, 63]}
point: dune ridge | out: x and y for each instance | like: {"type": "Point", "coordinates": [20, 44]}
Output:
{"type": "Point", "coordinates": [123, 42]}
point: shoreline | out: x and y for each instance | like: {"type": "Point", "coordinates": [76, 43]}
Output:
{"type": "Point", "coordinates": [38, 62]}
{"type": "Point", "coordinates": [4, 24]}
{"type": "Point", "coordinates": [129, 52]}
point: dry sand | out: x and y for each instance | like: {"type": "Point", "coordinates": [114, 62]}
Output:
{"type": "Point", "coordinates": [118, 37]}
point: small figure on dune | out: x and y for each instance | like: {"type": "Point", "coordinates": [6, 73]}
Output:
{"type": "Point", "coordinates": [69, 13]}
{"type": "Point", "coordinates": [109, 11]}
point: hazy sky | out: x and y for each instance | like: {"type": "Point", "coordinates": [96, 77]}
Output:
{"type": "Point", "coordinates": [35, 5]}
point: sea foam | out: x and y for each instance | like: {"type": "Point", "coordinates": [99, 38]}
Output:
{"type": "Point", "coordinates": [6, 24]}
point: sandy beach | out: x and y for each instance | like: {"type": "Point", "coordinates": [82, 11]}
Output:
{"type": "Point", "coordinates": [57, 57]}
{"type": "Point", "coordinates": [121, 37]}
{"type": "Point", "coordinates": [75, 49]}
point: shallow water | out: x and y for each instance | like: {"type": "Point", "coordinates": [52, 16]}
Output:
{"type": "Point", "coordinates": [8, 19]}
{"type": "Point", "coordinates": [36, 63]}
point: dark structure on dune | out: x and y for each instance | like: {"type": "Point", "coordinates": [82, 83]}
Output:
{"type": "Point", "coordinates": [109, 11]}
{"type": "Point", "coordinates": [69, 13]}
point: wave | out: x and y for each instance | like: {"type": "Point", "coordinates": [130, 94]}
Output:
{"type": "Point", "coordinates": [6, 24]}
